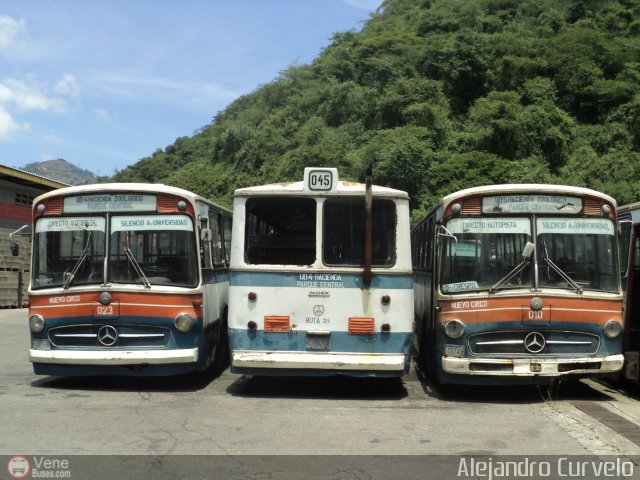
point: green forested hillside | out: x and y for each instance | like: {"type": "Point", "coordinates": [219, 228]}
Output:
{"type": "Point", "coordinates": [439, 95]}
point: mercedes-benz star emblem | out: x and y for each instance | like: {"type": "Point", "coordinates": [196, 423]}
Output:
{"type": "Point", "coordinates": [107, 335]}
{"type": "Point", "coordinates": [534, 342]}
{"type": "Point", "coordinates": [318, 310]}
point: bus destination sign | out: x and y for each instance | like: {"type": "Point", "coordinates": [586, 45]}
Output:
{"type": "Point", "coordinates": [531, 203]}
{"type": "Point", "coordinates": [107, 202]}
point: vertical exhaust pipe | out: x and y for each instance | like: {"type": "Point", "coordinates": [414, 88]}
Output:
{"type": "Point", "coordinates": [368, 201]}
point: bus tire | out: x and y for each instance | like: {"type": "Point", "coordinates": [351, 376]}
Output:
{"type": "Point", "coordinates": [221, 356]}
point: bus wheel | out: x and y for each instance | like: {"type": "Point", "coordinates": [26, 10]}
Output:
{"type": "Point", "coordinates": [221, 358]}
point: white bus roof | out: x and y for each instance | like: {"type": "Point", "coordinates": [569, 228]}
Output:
{"type": "Point", "coordinates": [516, 188]}
{"type": "Point", "coordinates": [127, 187]}
{"type": "Point", "coordinates": [297, 188]}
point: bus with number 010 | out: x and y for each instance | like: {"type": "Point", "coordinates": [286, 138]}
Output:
{"type": "Point", "coordinates": [128, 279]}
{"type": "Point", "coordinates": [320, 279]}
{"type": "Point", "coordinates": [518, 284]}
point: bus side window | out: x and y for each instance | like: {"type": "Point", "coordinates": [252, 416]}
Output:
{"type": "Point", "coordinates": [215, 223]}
{"type": "Point", "coordinates": [227, 223]}
{"type": "Point", "coordinates": [429, 235]}
{"type": "Point", "coordinates": [205, 246]}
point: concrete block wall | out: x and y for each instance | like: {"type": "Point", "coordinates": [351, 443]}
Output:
{"type": "Point", "coordinates": [14, 271]}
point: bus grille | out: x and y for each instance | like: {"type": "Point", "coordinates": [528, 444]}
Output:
{"type": "Point", "coordinates": [515, 343]}
{"type": "Point", "coordinates": [126, 336]}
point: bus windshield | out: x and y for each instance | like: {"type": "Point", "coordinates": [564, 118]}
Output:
{"type": "Point", "coordinates": [68, 251]}
{"type": "Point", "coordinates": [153, 250]}
{"type": "Point", "coordinates": [576, 253]}
{"type": "Point", "coordinates": [480, 252]}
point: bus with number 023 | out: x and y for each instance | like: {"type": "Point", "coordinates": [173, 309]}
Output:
{"type": "Point", "coordinates": [128, 279]}
{"type": "Point", "coordinates": [320, 279]}
{"type": "Point", "coordinates": [518, 284]}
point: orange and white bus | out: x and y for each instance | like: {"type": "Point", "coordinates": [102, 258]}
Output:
{"type": "Point", "coordinates": [518, 284]}
{"type": "Point", "coordinates": [128, 279]}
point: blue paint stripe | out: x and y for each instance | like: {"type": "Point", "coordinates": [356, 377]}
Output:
{"type": "Point", "coordinates": [399, 342]}
{"type": "Point", "coordinates": [318, 280]}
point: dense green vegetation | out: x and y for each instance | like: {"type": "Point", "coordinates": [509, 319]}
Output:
{"type": "Point", "coordinates": [439, 95]}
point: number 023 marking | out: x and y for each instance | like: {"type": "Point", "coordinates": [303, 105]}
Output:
{"type": "Point", "coordinates": [105, 310]}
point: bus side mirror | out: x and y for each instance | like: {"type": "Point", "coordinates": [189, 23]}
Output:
{"type": "Point", "coordinates": [15, 249]}
{"type": "Point", "coordinates": [527, 251]}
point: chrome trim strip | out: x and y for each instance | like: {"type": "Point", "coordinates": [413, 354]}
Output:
{"type": "Point", "coordinates": [76, 335]}
{"type": "Point", "coordinates": [502, 342]}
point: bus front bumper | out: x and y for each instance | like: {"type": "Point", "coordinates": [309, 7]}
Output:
{"type": "Point", "coordinates": [530, 367]}
{"type": "Point", "coordinates": [321, 361]}
{"type": "Point", "coordinates": [114, 357]}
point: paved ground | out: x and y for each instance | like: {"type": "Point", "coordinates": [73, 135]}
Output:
{"type": "Point", "coordinates": [235, 414]}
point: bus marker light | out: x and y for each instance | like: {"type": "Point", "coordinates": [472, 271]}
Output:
{"type": "Point", "coordinates": [454, 328]}
{"type": "Point", "coordinates": [36, 323]}
{"type": "Point", "coordinates": [183, 322]}
{"type": "Point", "coordinates": [253, 296]}
{"type": "Point", "coordinates": [276, 324]}
{"type": "Point", "coordinates": [612, 329]}
{"type": "Point", "coordinates": [105, 298]}
{"type": "Point", "coordinates": [385, 328]}
{"type": "Point", "coordinates": [197, 302]}
{"type": "Point", "coordinates": [251, 325]}
{"type": "Point", "coordinates": [361, 326]}
{"type": "Point", "coordinates": [385, 300]}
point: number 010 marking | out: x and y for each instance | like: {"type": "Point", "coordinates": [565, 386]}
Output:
{"type": "Point", "coordinates": [536, 314]}
{"type": "Point", "coordinates": [320, 181]}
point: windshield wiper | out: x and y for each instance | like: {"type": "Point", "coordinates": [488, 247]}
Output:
{"type": "Point", "coordinates": [72, 274]}
{"type": "Point", "coordinates": [136, 267]}
{"type": "Point", "coordinates": [526, 255]}
{"type": "Point", "coordinates": [559, 271]}
{"type": "Point", "coordinates": [515, 271]}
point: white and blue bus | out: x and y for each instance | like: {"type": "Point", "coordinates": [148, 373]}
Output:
{"type": "Point", "coordinates": [320, 279]}
{"type": "Point", "coordinates": [128, 279]}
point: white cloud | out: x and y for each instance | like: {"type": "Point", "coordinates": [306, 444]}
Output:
{"type": "Point", "coordinates": [23, 96]}
{"type": "Point", "coordinates": [102, 115]}
{"type": "Point", "coordinates": [10, 29]}
{"type": "Point", "coordinates": [162, 90]}
{"type": "Point", "coordinates": [8, 125]}
{"type": "Point", "coordinates": [51, 139]}
{"type": "Point", "coordinates": [68, 85]}
{"type": "Point", "coordinates": [28, 97]}
{"type": "Point", "coordinates": [369, 5]}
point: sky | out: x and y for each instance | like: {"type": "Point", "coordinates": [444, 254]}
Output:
{"type": "Point", "coordinates": [105, 83]}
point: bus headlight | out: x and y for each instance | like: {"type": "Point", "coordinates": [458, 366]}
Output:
{"type": "Point", "coordinates": [454, 328]}
{"type": "Point", "coordinates": [612, 328]}
{"type": "Point", "coordinates": [36, 323]}
{"type": "Point", "coordinates": [183, 322]}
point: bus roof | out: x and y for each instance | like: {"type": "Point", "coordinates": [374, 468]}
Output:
{"type": "Point", "coordinates": [127, 187]}
{"type": "Point", "coordinates": [297, 188]}
{"type": "Point", "coordinates": [521, 188]}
